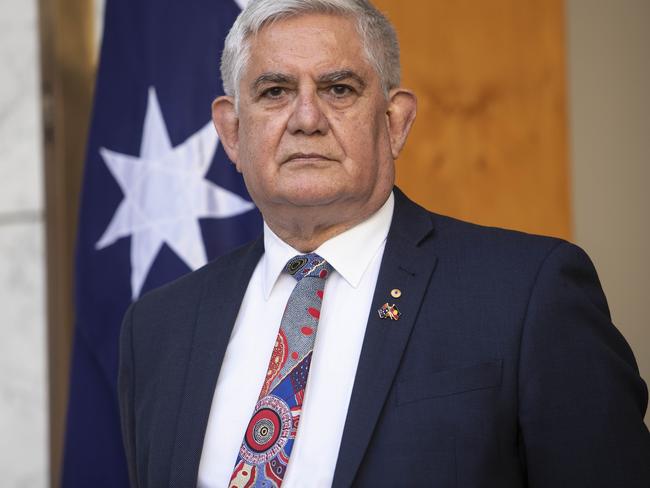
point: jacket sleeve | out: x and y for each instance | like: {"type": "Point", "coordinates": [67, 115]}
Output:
{"type": "Point", "coordinates": [581, 399]}
{"type": "Point", "coordinates": [126, 393]}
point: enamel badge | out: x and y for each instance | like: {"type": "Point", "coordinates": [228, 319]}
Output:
{"type": "Point", "coordinates": [389, 312]}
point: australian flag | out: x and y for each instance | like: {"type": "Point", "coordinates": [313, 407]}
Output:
{"type": "Point", "coordinates": [159, 199]}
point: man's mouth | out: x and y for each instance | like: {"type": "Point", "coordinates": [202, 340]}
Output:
{"type": "Point", "coordinates": [300, 156]}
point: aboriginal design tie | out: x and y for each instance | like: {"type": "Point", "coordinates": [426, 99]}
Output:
{"type": "Point", "coordinates": [268, 441]}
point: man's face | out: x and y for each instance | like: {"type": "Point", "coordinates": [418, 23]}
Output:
{"type": "Point", "coordinates": [312, 123]}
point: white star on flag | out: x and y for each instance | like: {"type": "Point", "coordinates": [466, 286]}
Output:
{"type": "Point", "coordinates": [165, 193]}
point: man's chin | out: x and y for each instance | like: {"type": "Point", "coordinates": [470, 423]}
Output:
{"type": "Point", "coordinates": [305, 200]}
{"type": "Point", "coordinates": [313, 190]}
{"type": "Point", "coordinates": [317, 198]}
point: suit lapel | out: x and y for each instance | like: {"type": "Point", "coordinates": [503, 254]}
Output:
{"type": "Point", "coordinates": [407, 264]}
{"type": "Point", "coordinates": [222, 295]}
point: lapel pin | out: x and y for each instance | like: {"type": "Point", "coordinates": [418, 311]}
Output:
{"type": "Point", "coordinates": [389, 312]}
{"type": "Point", "coordinates": [396, 293]}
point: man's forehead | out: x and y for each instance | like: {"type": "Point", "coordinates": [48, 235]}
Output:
{"type": "Point", "coordinates": [322, 44]}
{"type": "Point", "coordinates": [297, 34]}
{"type": "Point", "coordinates": [321, 21]}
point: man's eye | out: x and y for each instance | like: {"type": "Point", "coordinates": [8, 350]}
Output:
{"type": "Point", "coordinates": [340, 91]}
{"type": "Point", "coordinates": [275, 92]}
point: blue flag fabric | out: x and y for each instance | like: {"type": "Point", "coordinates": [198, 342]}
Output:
{"type": "Point", "coordinates": [159, 198]}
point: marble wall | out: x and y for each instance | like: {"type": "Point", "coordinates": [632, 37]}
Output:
{"type": "Point", "coordinates": [23, 390]}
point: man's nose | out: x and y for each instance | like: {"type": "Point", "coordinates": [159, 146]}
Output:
{"type": "Point", "coordinates": [308, 117]}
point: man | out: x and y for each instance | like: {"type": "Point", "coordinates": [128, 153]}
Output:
{"type": "Point", "coordinates": [446, 354]}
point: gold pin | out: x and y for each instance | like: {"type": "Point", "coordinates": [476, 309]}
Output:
{"type": "Point", "coordinates": [396, 293]}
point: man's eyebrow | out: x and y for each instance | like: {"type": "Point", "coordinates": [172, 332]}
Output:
{"type": "Point", "coordinates": [341, 75]}
{"type": "Point", "coordinates": [272, 77]}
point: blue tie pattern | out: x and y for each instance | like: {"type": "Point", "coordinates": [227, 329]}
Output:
{"type": "Point", "coordinates": [269, 437]}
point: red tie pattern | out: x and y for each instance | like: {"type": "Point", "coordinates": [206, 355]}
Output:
{"type": "Point", "coordinates": [268, 440]}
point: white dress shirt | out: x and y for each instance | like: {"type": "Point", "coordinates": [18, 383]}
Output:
{"type": "Point", "coordinates": [356, 257]}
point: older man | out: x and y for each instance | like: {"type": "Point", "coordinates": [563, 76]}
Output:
{"type": "Point", "coordinates": [363, 340]}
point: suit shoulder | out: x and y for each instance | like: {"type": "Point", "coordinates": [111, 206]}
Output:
{"type": "Point", "coordinates": [453, 228]}
{"type": "Point", "coordinates": [450, 234]}
{"type": "Point", "coordinates": [472, 248]}
{"type": "Point", "coordinates": [502, 249]}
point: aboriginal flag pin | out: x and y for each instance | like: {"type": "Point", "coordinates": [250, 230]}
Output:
{"type": "Point", "coordinates": [389, 312]}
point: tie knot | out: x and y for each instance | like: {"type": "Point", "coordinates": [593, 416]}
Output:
{"type": "Point", "coordinates": [308, 265]}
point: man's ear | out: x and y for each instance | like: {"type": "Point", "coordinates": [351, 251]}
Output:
{"type": "Point", "coordinates": [224, 117]}
{"type": "Point", "coordinates": [402, 107]}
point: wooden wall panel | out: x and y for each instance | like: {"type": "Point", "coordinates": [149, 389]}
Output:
{"type": "Point", "coordinates": [67, 71]}
{"type": "Point", "coordinates": [490, 141]}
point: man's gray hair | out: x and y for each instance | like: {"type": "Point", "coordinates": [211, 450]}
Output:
{"type": "Point", "coordinates": [376, 32]}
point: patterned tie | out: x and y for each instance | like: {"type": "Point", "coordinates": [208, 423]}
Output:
{"type": "Point", "coordinates": [268, 441]}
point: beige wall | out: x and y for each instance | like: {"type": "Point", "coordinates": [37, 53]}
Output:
{"type": "Point", "coordinates": [609, 94]}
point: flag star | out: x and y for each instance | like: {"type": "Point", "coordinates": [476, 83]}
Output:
{"type": "Point", "coordinates": [165, 193]}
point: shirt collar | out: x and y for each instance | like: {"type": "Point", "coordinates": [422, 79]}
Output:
{"type": "Point", "coordinates": [350, 252]}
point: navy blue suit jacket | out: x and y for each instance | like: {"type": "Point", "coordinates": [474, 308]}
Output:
{"type": "Point", "coordinates": [503, 371]}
